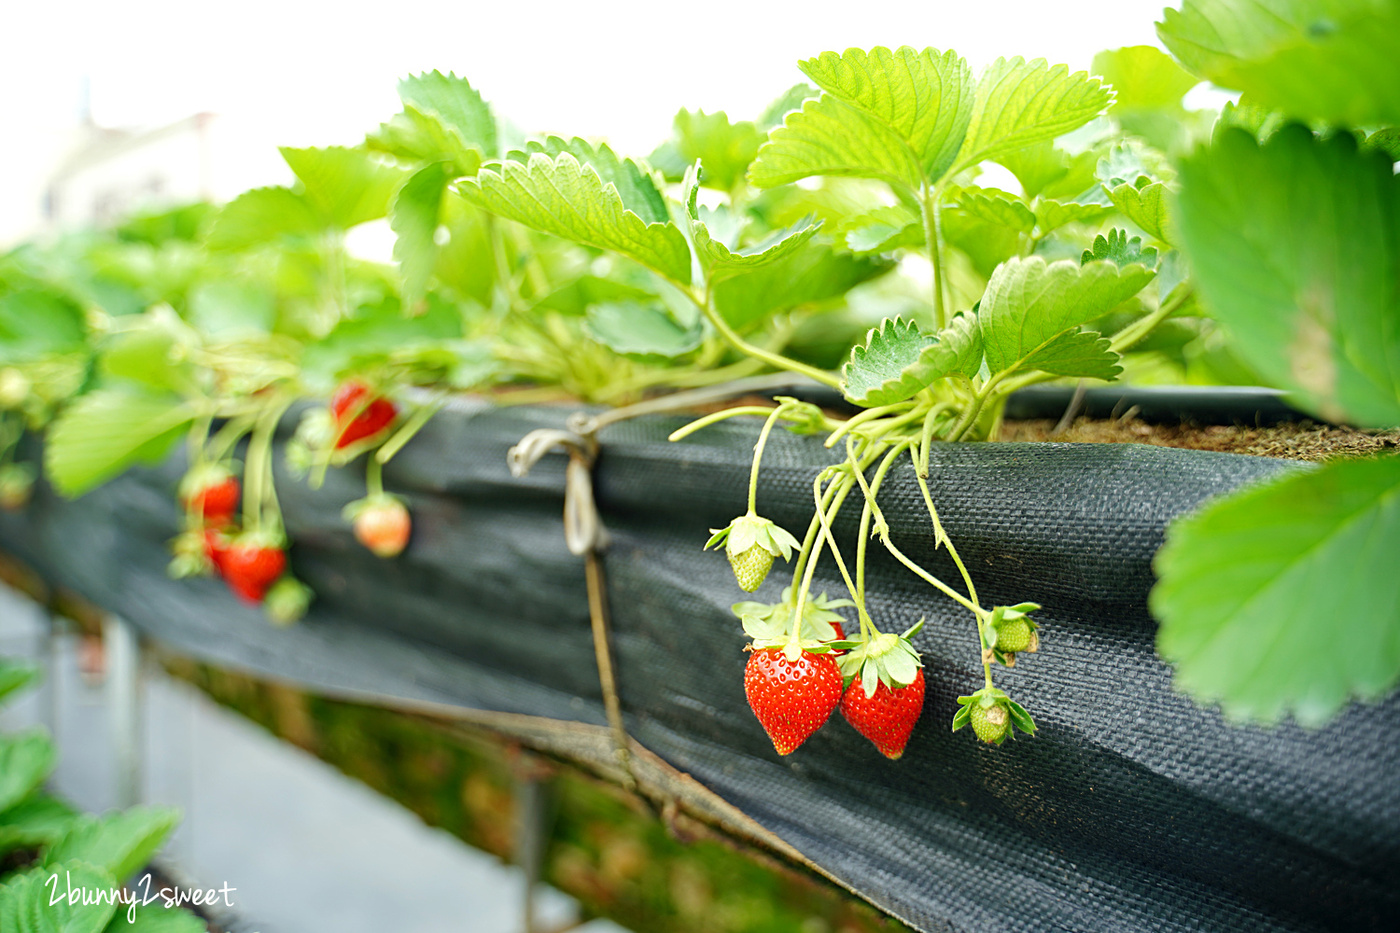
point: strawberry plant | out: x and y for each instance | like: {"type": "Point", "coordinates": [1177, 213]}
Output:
{"type": "Point", "coordinates": [42, 836]}
{"type": "Point", "coordinates": [858, 234]}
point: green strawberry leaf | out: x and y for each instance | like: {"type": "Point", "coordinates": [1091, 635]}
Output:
{"type": "Point", "coordinates": [719, 260]}
{"type": "Point", "coordinates": [1248, 593]}
{"type": "Point", "coordinates": [1047, 171]}
{"type": "Point", "coordinates": [898, 117]}
{"type": "Point", "coordinates": [724, 148]}
{"type": "Point", "coordinates": [102, 433]}
{"type": "Point", "coordinates": [25, 900]}
{"type": "Point", "coordinates": [37, 820]}
{"type": "Point", "coordinates": [37, 323]}
{"type": "Point", "coordinates": [810, 275]}
{"type": "Point", "coordinates": [458, 264]}
{"type": "Point", "coordinates": [633, 183]}
{"type": "Point", "coordinates": [1134, 162]}
{"type": "Point", "coordinates": [959, 347]}
{"type": "Point", "coordinates": [1332, 60]}
{"type": "Point", "coordinates": [898, 360]}
{"type": "Point", "coordinates": [1143, 77]}
{"type": "Point", "coordinates": [380, 334]}
{"type": "Point", "coordinates": [119, 842]}
{"type": "Point", "coordinates": [885, 370]}
{"type": "Point", "coordinates": [997, 208]}
{"type": "Point", "coordinates": [962, 716]}
{"type": "Point", "coordinates": [262, 216]}
{"type": "Point", "coordinates": [1145, 206]}
{"type": "Point", "coordinates": [25, 761]}
{"type": "Point", "coordinates": [416, 137]}
{"type": "Point", "coordinates": [637, 329]}
{"type": "Point", "coordinates": [1386, 141]}
{"type": "Point", "coordinates": [568, 198]}
{"type": "Point", "coordinates": [925, 97]}
{"type": "Point", "coordinates": [1295, 247]}
{"type": "Point", "coordinates": [882, 230]}
{"type": "Point", "coordinates": [16, 675]}
{"type": "Point", "coordinates": [1121, 250]}
{"type": "Point", "coordinates": [1030, 306]}
{"type": "Point", "coordinates": [986, 245]}
{"type": "Point", "coordinates": [830, 137]}
{"type": "Point", "coordinates": [1052, 215]}
{"type": "Point", "coordinates": [457, 108]}
{"type": "Point", "coordinates": [1081, 353]}
{"type": "Point", "coordinates": [229, 309]}
{"type": "Point", "coordinates": [346, 186]}
{"type": "Point", "coordinates": [1020, 103]}
{"type": "Point", "coordinates": [414, 218]}
{"type": "Point", "coordinates": [790, 100]}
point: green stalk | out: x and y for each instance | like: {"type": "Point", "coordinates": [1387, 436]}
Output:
{"type": "Point", "coordinates": [869, 414]}
{"type": "Point", "coordinates": [256, 471]}
{"type": "Point", "coordinates": [758, 455]}
{"type": "Point", "coordinates": [844, 488]}
{"type": "Point", "coordinates": [412, 426]}
{"type": "Point", "coordinates": [969, 417]}
{"type": "Point", "coordinates": [941, 535]}
{"type": "Point", "coordinates": [1131, 335]}
{"type": "Point", "coordinates": [199, 436]}
{"type": "Point", "coordinates": [928, 212]}
{"type": "Point", "coordinates": [882, 529]}
{"type": "Point", "coordinates": [228, 437]}
{"type": "Point", "coordinates": [716, 417]}
{"type": "Point", "coordinates": [776, 360]}
{"type": "Point", "coordinates": [865, 621]}
{"type": "Point", "coordinates": [374, 477]}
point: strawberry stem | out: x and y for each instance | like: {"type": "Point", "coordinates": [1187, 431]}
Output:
{"type": "Point", "coordinates": [717, 417]}
{"type": "Point", "coordinates": [412, 426]}
{"type": "Point", "coordinates": [758, 453]}
{"type": "Point", "coordinates": [866, 625]}
{"type": "Point", "coordinates": [374, 478]}
{"type": "Point", "coordinates": [776, 360]}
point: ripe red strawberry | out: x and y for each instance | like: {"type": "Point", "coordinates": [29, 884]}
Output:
{"type": "Point", "coordinates": [213, 492]}
{"type": "Point", "coordinates": [791, 698]}
{"type": "Point", "coordinates": [383, 526]}
{"type": "Point", "coordinates": [887, 718]}
{"type": "Point", "coordinates": [375, 413]}
{"type": "Point", "coordinates": [250, 566]}
{"type": "Point", "coordinates": [221, 501]}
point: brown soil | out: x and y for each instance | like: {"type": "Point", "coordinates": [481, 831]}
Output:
{"type": "Point", "coordinates": [1302, 441]}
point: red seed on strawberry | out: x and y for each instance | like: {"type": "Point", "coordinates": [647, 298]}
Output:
{"type": "Point", "coordinates": [358, 414]}
{"type": "Point", "coordinates": [792, 699]}
{"type": "Point", "coordinates": [886, 718]}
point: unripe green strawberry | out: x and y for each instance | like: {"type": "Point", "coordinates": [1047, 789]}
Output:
{"type": "Point", "coordinates": [1014, 635]}
{"type": "Point", "coordinates": [751, 542]}
{"type": "Point", "coordinates": [990, 724]}
{"type": "Point", "coordinates": [751, 567]}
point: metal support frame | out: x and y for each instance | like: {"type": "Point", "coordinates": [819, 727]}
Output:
{"type": "Point", "coordinates": [124, 685]}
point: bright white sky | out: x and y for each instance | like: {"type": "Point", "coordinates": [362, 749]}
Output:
{"type": "Point", "coordinates": [296, 73]}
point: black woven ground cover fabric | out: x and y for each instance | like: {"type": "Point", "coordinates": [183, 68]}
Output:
{"type": "Point", "coordinates": [1130, 810]}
